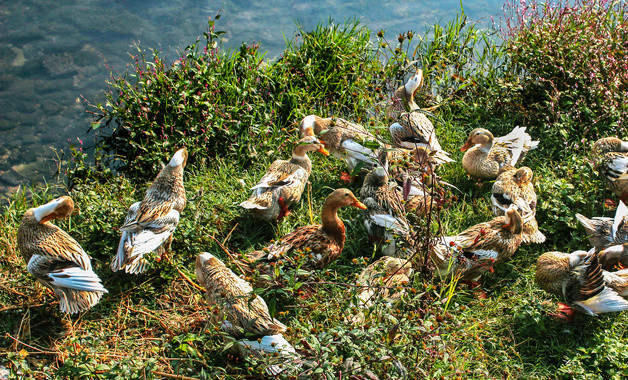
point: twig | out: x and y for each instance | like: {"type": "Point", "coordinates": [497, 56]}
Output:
{"type": "Point", "coordinates": [8, 308]}
{"type": "Point", "coordinates": [228, 253]}
{"type": "Point", "coordinates": [38, 350]}
{"type": "Point", "coordinates": [171, 376]}
{"type": "Point", "coordinates": [13, 291]}
{"type": "Point", "coordinates": [194, 284]}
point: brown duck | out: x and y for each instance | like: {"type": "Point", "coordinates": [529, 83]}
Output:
{"type": "Point", "coordinates": [478, 248]}
{"type": "Point", "coordinates": [411, 128]}
{"type": "Point", "coordinates": [514, 186]}
{"type": "Point", "coordinates": [321, 243]}
{"type": "Point", "coordinates": [603, 232]}
{"type": "Point", "coordinates": [56, 259]}
{"type": "Point", "coordinates": [283, 183]}
{"type": "Point", "coordinates": [611, 162]}
{"type": "Point", "coordinates": [344, 139]}
{"type": "Point", "coordinates": [380, 280]}
{"type": "Point", "coordinates": [485, 155]}
{"type": "Point", "coordinates": [149, 224]}
{"type": "Point", "coordinates": [579, 280]}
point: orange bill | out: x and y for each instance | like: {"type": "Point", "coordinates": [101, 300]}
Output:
{"type": "Point", "coordinates": [323, 151]}
{"type": "Point", "coordinates": [358, 204]}
{"type": "Point", "coordinates": [466, 145]}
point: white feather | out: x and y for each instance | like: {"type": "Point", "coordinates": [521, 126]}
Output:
{"type": "Point", "coordinates": [620, 214]}
{"type": "Point", "coordinates": [77, 279]}
{"type": "Point", "coordinates": [389, 222]}
{"type": "Point", "coordinates": [308, 122]}
{"type": "Point", "coordinates": [177, 159]}
{"type": "Point", "coordinates": [605, 302]}
{"type": "Point", "coordinates": [46, 209]}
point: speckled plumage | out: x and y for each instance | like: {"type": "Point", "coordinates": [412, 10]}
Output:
{"type": "Point", "coordinates": [384, 217]}
{"type": "Point", "coordinates": [476, 249]}
{"type": "Point", "coordinates": [149, 224]}
{"type": "Point", "coordinates": [603, 232]}
{"type": "Point", "coordinates": [514, 186]}
{"type": "Point", "coordinates": [610, 156]}
{"type": "Point", "coordinates": [579, 280]}
{"type": "Point", "coordinates": [380, 281]}
{"type": "Point", "coordinates": [344, 139]}
{"type": "Point", "coordinates": [56, 260]}
{"type": "Point", "coordinates": [284, 180]}
{"type": "Point", "coordinates": [321, 243]}
{"type": "Point", "coordinates": [414, 128]}
{"type": "Point", "coordinates": [244, 313]}
{"type": "Point", "coordinates": [485, 155]}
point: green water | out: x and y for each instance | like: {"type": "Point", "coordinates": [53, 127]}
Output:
{"type": "Point", "coordinates": [55, 57]}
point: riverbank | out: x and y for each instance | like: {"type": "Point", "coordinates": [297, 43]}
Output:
{"type": "Point", "coordinates": [157, 324]}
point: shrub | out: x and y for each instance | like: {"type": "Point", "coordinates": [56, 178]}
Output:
{"type": "Point", "coordinates": [571, 59]}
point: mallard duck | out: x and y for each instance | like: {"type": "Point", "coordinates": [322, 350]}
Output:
{"type": "Point", "coordinates": [478, 248]}
{"type": "Point", "coordinates": [344, 139]}
{"type": "Point", "coordinates": [384, 216]}
{"type": "Point", "coordinates": [514, 186]}
{"type": "Point", "coordinates": [611, 162]}
{"type": "Point", "coordinates": [149, 224]}
{"type": "Point", "coordinates": [56, 260]}
{"type": "Point", "coordinates": [284, 182]}
{"type": "Point", "coordinates": [323, 243]}
{"type": "Point", "coordinates": [244, 314]}
{"type": "Point", "coordinates": [411, 128]}
{"type": "Point", "coordinates": [578, 279]}
{"type": "Point", "coordinates": [485, 154]}
{"type": "Point", "coordinates": [380, 280]}
{"type": "Point", "coordinates": [603, 232]}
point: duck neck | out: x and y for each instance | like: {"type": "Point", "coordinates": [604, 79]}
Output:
{"type": "Point", "coordinates": [332, 224]}
{"type": "Point", "coordinates": [299, 157]}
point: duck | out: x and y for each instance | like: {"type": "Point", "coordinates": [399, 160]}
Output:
{"type": "Point", "coordinates": [322, 243]}
{"type": "Point", "coordinates": [477, 249]}
{"type": "Point", "coordinates": [344, 139]}
{"type": "Point", "coordinates": [485, 155]}
{"type": "Point", "coordinates": [578, 279]}
{"type": "Point", "coordinates": [150, 224]}
{"type": "Point", "coordinates": [611, 162]}
{"type": "Point", "coordinates": [614, 256]}
{"type": "Point", "coordinates": [56, 260]}
{"type": "Point", "coordinates": [384, 216]}
{"type": "Point", "coordinates": [383, 279]}
{"type": "Point", "coordinates": [603, 232]}
{"type": "Point", "coordinates": [411, 128]}
{"type": "Point", "coordinates": [514, 186]}
{"type": "Point", "coordinates": [284, 182]}
{"type": "Point", "coordinates": [244, 314]}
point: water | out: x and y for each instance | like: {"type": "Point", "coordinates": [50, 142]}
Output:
{"type": "Point", "coordinates": [54, 55]}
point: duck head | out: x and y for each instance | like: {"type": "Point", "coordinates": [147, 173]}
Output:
{"type": "Point", "coordinates": [179, 158]}
{"type": "Point", "coordinates": [309, 144]}
{"type": "Point", "coordinates": [478, 136]}
{"type": "Point", "coordinates": [343, 197]}
{"type": "Point", "coordinates": [59, 208]}
{"type": "Point", "coordinates": [512, 220]}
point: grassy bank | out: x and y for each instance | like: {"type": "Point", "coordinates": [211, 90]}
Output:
{"type": "Point", "coordinates": [236, 113]}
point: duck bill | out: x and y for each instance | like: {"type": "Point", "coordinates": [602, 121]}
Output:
{"type": "Point", "coordinates": [466, 145]}
{"type": "Point", "coordinates": [358, 204]}
{"type": "Point", "coordinates": [324, 151]}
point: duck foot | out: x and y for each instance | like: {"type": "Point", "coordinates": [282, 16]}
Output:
{"type": "Point", "coordinates": [564, 313]}
{"type": "Point", "coordinates": [284, 209]}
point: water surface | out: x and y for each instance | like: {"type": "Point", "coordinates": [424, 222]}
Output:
{"type": "Point", "coordinates": [55, 56]}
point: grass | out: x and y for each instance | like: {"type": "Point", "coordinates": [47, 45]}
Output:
{"type": "Point", "coordinates": [157, 325]}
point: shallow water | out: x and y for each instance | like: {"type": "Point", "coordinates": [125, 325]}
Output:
{"type": "Point", "coordinates": [56, 56]}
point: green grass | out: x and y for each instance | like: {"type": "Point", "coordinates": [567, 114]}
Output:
{"type": "Point", "coordinates": [158, 325]}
